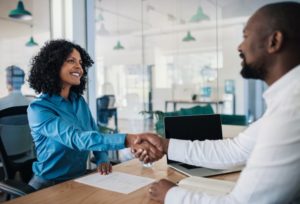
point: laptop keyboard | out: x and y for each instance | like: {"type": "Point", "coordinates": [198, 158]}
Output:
{"type": "Point", "coordinates": [187, 166]}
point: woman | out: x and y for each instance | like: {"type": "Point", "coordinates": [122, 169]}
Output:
{"type": "Point", "coordinates": [61, 123]}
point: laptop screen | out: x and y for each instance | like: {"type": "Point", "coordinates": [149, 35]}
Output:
{"type": "Point", "coordinates": [196, 127]}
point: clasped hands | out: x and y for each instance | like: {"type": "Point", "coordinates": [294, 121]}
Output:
{"type": "Point", "coordinates": [149, 147]}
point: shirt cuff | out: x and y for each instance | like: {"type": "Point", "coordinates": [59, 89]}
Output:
{"type": "Point", "coordinates": [175, 195]}
{"type": "Point", "coordinates": [174, 146]}
{"type": "Point", "coordinates": [101, 157]}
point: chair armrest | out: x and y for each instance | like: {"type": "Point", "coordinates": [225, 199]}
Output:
{"type": "Point", "coordinates": [15, 188]}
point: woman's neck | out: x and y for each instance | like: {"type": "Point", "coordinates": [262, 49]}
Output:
{"type": "Point", "coordinates": [65, 91]}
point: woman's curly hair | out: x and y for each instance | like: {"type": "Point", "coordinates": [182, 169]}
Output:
{"type": "Point", "coordinates": [46, 65]}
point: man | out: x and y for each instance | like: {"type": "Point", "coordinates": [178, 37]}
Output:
{"type": "Point", "coordinates": [14, 80]}
{"type": "Point", "coordinates": [270, 146]}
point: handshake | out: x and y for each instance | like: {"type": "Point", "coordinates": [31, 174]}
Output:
{"type": "Point", "coordinates": [147, 147]}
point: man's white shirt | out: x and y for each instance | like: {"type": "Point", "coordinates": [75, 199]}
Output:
{"type": "Point", "coordinates": [269, 148]}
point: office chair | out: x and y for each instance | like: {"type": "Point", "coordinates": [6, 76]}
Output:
{"type": "Point", "coordinates": [106, 110]}
{"type": "Point", "coordinates": [16, 150]}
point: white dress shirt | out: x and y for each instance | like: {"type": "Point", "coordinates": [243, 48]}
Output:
{"type": "Point", "coordinates": [270, 148]}
{"type": "Point", "coordinates": [15, 98]}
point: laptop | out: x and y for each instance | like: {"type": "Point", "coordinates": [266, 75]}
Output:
{"type": "Point", "coordinates": [196, 127]}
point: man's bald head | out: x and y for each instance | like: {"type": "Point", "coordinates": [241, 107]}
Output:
{"type": "Point", "coordinates": [283, 17]}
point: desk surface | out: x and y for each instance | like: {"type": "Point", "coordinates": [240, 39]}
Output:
{"type": "Point", "coordinates": [71, 192]}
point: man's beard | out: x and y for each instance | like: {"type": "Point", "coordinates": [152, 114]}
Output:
{"type": "Point", "coordinates": [250, 72]}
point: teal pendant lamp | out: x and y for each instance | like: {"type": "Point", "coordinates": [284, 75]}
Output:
{"type": "Point", "coordinates": [118, 46]}
{"type": "Point", "coordinates": [31, 42]}
{"type": "Point", "coordinates": [20, 13]}
{"type": "Point", "coordinates": [188, 37]}
{"type": "Point", "coordinates": [199, 16]}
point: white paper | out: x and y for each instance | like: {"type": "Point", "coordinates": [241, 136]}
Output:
{"type": "Point", "coordinates": [116, 181]}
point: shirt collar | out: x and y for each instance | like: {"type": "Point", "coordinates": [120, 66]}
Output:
{"type": "Point", "coordinates": [282, 85]}
{"type": "Point", "coordinates": [57, 99]}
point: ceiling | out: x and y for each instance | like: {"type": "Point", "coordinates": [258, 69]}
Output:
{"type": "Point", "coordinates": [125, 16]}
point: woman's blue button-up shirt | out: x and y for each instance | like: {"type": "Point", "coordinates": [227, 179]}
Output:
{"type": "Point", "coordinates": [64, 132]}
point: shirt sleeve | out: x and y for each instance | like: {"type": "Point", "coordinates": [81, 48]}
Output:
{"type": "Point", "coordinates": [46, 122]}
{"type": "Point", "coordinates": [101, 156]}
{"type": "Point", "coordinates": [177, 195]}
{"type": "Point", "coordinates": [272, 172]}
{"type": "Point", "coordinates": [221, 154]}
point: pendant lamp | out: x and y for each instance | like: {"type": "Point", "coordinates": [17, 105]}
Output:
{"type": "Point", "coordinates": [118, 46]}
{"type": "Point", "coordinates": [31, 42]}
{"type": "Point", "coordinates": [199, 16]}
{"type": "Point", "coordinates": [20, 12]}
{"type": "Point", "coordinates": [188, 37]}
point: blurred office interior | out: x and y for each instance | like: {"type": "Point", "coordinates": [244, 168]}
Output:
{"type": "Point", "coordinates": [150, 55]}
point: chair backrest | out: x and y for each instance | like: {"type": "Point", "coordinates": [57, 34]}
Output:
{"type": "Point", "coordinates": [105, 108]}
{"type": "Point", "coordinates": [105, 102]}
{"type": "Point", "coordinates": [234, 119]}
{"type": "Point", "coordinates": [15, 137]}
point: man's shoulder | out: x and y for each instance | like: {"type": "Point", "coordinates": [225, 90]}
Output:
{"type": "Point", "coordinates": [12, 100]}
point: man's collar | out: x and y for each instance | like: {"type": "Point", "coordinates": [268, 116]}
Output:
{"type": "Point", "coordinates": [281, 86]}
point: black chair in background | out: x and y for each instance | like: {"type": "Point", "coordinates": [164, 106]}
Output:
{"type": "Point", "coordinates": [106, 110]}
{"type": "Point", "coordinates": [16, 150]}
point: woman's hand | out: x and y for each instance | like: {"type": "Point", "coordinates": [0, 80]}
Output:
{"type": "Point", "coordinates": [104, 168]}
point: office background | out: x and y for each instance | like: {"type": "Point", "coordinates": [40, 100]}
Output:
{"type": "Point", "coordinates": [145, 51]}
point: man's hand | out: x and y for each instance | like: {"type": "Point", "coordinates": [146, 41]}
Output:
{"type": "Point", "coordinates": [159, 143]}
{"type": "Point", "coordinates": [146, 152]}
{"type": "Point", "coordinates": [148, 147]}
{"type": "Point", "coordinates": [104, 168]}
{"type": "Point", "coordinates": [158, 190]}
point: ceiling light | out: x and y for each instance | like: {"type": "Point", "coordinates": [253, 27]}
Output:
{"type": "Point", "coordinates": [188, 37]}
{"type": "Point", "coordinates": [31, 42]}
{"type": "Point", "coordinates": [20, 12]}
{"type": "Point", "coordinates": [118, 46]}
{"type": "Point", "coordinates": [199, 16]}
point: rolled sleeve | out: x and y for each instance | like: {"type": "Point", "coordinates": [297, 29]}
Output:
{"type": "Point", "coordinates": [173, 152]}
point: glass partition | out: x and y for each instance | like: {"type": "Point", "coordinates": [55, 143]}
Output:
{"type": "Point", "coordinates": [15, 45]}
{"type": "Point", "coordinates": [168, 55]}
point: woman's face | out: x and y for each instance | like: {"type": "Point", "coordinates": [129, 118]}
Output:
{"type": "Point", "coordinates": [71, 71]}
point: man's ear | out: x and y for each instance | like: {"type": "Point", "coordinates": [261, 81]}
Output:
{"type": "Point", "coordinates": [275, 42]}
